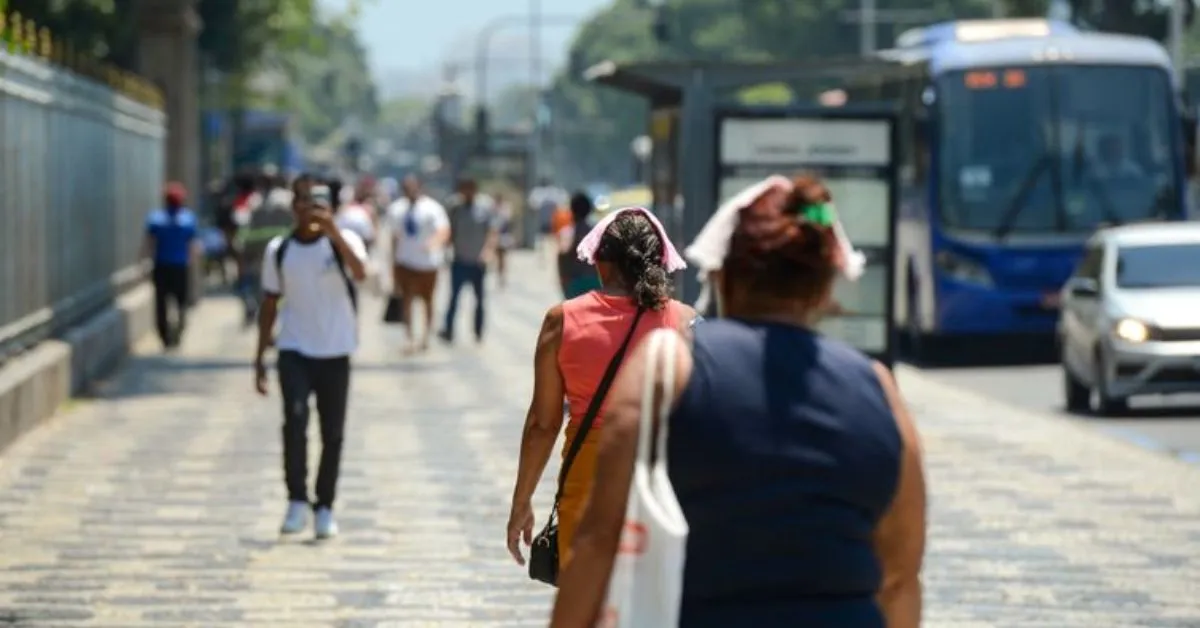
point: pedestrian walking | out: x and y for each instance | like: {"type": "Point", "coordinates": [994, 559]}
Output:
{"type": "Point", "coordinates": [269, 220]}
{"type": "Point", "coordinates": [358, 216]}
{"type": "Point", "coordinates": [507, 238]}
{"type": "Point", "coordinates": [420, 232]}
{"type": "Point", "coordinates": [313, 271]}
{"type": "Point", "coordinates": [172, 241]}
{"type": "Point", "coordinates": [791, 455]}
{"type": "Point", "coordinates": [577, 276]}
{"type": "Point", "coordinates": [474, 236]}
{"type": "Point", "coordinates": [579, 350]}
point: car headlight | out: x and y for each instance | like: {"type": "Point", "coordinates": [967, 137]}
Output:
{"type": "Point", "coordinates": [963, 269]}
{"type": "Point", "coordinates": [1131, 330]}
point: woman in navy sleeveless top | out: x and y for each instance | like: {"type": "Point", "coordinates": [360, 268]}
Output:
{"type": "Point", "coordinates": [792, 455]}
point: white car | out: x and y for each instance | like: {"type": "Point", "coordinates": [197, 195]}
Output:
{"type": "Point", "coordinates": [1130, 321]}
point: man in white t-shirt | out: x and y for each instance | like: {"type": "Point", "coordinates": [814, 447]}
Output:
{"type": "Point", "coordinates": [420, 230]}
{"type": "Point", "coordinates": [314, 271]}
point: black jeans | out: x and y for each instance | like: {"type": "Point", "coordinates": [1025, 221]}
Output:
{"type": "Point", "coordinates": [462, 274]}
{"type": "Point", "coordinates": [328, 379]}
{"type": "Point", "coordinates": [170, 284]}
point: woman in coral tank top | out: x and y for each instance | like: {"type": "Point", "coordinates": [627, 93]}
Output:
{"type": "Point", "coordinates": [578, 340]}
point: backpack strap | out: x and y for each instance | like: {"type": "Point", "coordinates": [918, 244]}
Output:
{"type": "Point", "coordinates": [341, 263]}
{"type": "Point", "coordinates": [283, 246]}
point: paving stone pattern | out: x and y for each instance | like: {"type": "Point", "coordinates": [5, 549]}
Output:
{"type": "Point", "coordinates": [158, 503]}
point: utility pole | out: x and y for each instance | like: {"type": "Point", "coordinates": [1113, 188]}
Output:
{"type": "Point", "coordinates": [1176, 37]}
{"type": "Point", "coordinates": [535, 69]}
{"type": "Point", "coordinates": [868, 18]}
{"type": "Point", "coordinates": [867, 27]}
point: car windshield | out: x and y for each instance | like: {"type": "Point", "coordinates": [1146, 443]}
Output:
{"type": "Point", "coordinates": [1159, 266]}
{"type": "Point", "coordinates": [1056, 148]}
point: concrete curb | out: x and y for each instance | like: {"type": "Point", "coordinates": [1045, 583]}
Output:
{"type": "Point", "coordinates": [976, 413]}
{"type": "Point", "coordinates": [34, 385]}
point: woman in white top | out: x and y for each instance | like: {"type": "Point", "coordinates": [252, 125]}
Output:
{"type": "Point", "coordinates": [420, 231]}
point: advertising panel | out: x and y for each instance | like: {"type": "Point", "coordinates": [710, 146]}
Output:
{"type": "Point", "coordinates": [854, 154]}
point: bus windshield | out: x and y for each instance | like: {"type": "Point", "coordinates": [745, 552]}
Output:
{"type": "Point", "coordinates": [1062, 148]}
{"type": "Point", "coordinates": [261, 147]}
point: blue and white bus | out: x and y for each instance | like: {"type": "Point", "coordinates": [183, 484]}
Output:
{"type": "Point", "coordinates": [1018, 139]}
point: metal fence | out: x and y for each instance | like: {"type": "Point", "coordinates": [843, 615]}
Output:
{"type": "Point", "coordinates": [82, 163]}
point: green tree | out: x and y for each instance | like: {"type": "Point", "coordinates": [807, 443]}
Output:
{"type": "Point", "coordinates": [401, 114]}
{"type": "Point", "coordinates": [239, 34]}
{"type": "Point", "coordinates": [329, 85]}
{"type": "Point", "coordinates": [97, 28]}
{"type": "Point", "coordinates": [593, 125]}
{"type": "Point", "coordinates": [1133, 17]}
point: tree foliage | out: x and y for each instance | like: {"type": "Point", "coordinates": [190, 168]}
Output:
{"type": "Point", "coordinates": [97, 28]}
{"type": "Point", "coordinates": [235, 35]}
{"type": "Point", "coordinates": [1148, 18]}
{"type": "Point", "coordinates": [329, 85]}
{"type": "Point", "coordinates": [238, 34]}
{"type": "Point", "coordinates": [593, 126]}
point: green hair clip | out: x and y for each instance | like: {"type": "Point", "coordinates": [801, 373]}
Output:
{"type": "Point", "coordinates": [819, 213]}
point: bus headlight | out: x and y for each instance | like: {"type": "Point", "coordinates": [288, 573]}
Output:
{"type": "Point", "coordinates": [963, 269]}
{"type": "Point", "coordinates": [1131, 330]}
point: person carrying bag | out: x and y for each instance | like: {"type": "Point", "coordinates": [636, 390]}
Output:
{"type": "Point", "coordinates": [634, 260]}
{"type": "Point", "coordinates": [544, 551]}
{"type": "Point", "coordinates": [646, 585]}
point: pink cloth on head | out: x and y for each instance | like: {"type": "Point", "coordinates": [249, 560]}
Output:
{"type": "Point", "coordinates": [586, 250]}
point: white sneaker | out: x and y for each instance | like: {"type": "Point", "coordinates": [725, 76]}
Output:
{"type": "Point", "coordinates": [326, 526]}
{"type": "Point", "coordinates": [296, 518]}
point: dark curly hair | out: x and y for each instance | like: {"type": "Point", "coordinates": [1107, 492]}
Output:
{"type": "Point", "coordinates": [774, 251]}
{"type": "Point", "coordinates": [633, 246]}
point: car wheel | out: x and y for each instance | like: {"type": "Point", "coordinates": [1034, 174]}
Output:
{"type": "Point", "coordinates": [1076, 393]}
{"type": "Point", "coordinates": [1106, 404]}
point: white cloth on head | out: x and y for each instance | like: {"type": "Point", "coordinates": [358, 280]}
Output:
{"type": "Point", "coordinates": [671, 259]}
{"type": "Point", "coordinates": [711, 246]}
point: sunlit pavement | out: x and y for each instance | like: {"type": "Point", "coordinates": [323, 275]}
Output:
{"type": "Point", "coordinates": [158, 503]}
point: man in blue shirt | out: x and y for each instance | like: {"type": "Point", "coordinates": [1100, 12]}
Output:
{"type": "Point", "coordinates": [171, 237]}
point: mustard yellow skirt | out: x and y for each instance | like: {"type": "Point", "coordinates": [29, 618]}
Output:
{"type": "Point", "coordinates": [576, 489]}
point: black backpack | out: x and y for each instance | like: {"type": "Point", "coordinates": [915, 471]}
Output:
{"type": "Point", "coordinates": [337, 256]}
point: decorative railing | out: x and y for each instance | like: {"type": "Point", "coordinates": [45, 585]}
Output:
{"type": "Point", "coordinates": [82, 162]}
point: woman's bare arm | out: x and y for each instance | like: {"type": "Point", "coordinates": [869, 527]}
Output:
{"type": "Point", "coordinates": [543, 421]}
{"type": "Point", "coordinates": [583, 584]}
{"type": "Point", "coordinates": [900, 535]}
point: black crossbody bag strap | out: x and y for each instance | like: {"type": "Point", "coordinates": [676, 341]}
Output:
{"type": "Point", "coordinates": [594, 408]}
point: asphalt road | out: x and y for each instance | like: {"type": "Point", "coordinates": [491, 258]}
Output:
{"type": "Point", "coordinates": [1168, 424]}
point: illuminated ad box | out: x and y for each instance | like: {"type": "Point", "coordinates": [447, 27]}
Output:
{"type": "Point", "coordinates": [855, 154]}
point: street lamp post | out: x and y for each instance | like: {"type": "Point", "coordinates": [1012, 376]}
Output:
{"type": "Point", "coordinates": [483, 45]}
{"type": "Point", "coordinates": [641, 147]}
{"type": "Point", "coordinates": [535, 75]}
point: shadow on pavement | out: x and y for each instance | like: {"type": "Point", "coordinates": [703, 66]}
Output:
{"type": "Point", "coordinates": [166, 374]}
{"type": "Point", "coordinates": [1188, 412]}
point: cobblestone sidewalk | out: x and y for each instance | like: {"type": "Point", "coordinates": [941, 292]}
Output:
{"type": "Point", "coordinates": [158, 503]}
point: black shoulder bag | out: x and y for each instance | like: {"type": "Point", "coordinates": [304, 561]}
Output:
{"type": "Point", "coordinates": [543, 552]}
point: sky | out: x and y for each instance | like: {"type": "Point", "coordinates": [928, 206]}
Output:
{"type": "Point", "coordinates": [408, 46]}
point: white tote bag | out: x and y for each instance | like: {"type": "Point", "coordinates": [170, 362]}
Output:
{"type": "Point", "coordinates": [647, 578]}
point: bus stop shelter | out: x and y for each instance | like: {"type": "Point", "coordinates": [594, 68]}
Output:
{"type": "Point", "coordinates": [692, 123]}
